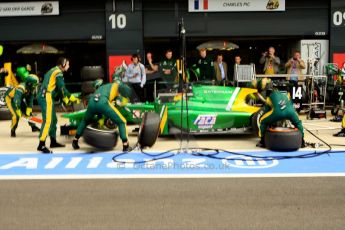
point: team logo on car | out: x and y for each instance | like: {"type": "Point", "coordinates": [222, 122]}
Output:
{"type": "Point", "coordinates": [205, 121]}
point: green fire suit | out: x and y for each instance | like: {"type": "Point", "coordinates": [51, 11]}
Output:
{"type": "Point", "coordinates": [100, 102]}
{"type": "Point", "coordinates": [52, 88]}
{"type": "Point", "coordinates": [278, 108]}
{"type": "Point", "coordinates": [14, 100]}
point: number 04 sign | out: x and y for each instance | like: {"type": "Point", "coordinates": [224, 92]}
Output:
{"type": "Point", "coordinates": [118, 21]}
{"type": "Point", "coordinates": [339, 18]}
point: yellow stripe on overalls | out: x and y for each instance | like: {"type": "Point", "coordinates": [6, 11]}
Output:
{"type": "Point", "coordinates": [14, 115]}
{"type": "Point", "coordinates": [119, 114]}
{"type": "Point", "coordinates": [269, 102]}
{"type": "Point", "coordinates": [48, 121]}
{"type": "Point", "coordinates": [113, 91]}
{"type": "Point", "coordinates": [49, 104]}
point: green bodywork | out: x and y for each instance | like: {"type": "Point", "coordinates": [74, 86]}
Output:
{"type": "Point", "coordinates": [211, 109]}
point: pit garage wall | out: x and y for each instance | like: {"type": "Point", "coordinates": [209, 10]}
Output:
{"type": "Point", "coordinates": [337, 31]}
{"type": "Point", "coordinates": [124, 32]}
{"type": "Point", "coordinates": [77, 20]}
{"type": "Point", "coordinates": [301, 18]}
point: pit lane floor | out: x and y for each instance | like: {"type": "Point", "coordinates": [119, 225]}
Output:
{"type": "Point", "coordinates": [183, 203]}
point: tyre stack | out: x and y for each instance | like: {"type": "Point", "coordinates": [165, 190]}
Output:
{"type": "Point", "coordinates": [89, 74]}
{"type": "Point", "coordinates": [5, 114]}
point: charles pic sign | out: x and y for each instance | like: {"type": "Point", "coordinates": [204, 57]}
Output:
{"type": "Point", "coordinates": [12, 9]}
{"type": "Point", "coordinates": [235, 5]}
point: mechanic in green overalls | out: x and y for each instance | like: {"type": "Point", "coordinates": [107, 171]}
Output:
{"type": "Point", "coordinates": [101, 103]}
{"type": "Point", "coordinates": [52, 88]}
{"type": "Point", "coordinates": [19, 97]}
{"type": "Point", "coordinates": [277, 107]}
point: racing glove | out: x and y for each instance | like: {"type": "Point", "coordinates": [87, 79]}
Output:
{"type": "Point", "coordinates": [101, 122]}
{"type": "Point", "coordinates": [65, 100]}
{"type": "Point", "coordinates": [28, 112]}
{"type": "Point", "coordinates": [19, 112]}
{"type": "Point", "coordinates": [74, 99]}
{"type": "Point", "coordinates": [122, 101]}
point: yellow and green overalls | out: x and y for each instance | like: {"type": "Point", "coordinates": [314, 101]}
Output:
{"type": "Point", "coordinates": [52, 88]}
{"type": "Point", "coordinates": [14, 100]}
{"type": "Point", "coordinates": [101, 103]}
{"type": "Point", "coordinates": [277, 108]}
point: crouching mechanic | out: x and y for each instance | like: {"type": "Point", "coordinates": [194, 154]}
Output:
{"type": "Point", "coordinates": [278, 107]}
{"type": "Point", "coordinates": [22, 97]}
{"type": "Point", "coordinates": [101, 103]}
{"type": "Point", "coordinates": [52, 88]}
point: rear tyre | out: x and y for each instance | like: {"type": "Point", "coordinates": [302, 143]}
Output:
{"type": "Point", "coordinates": [99, 138]}
{"type": "Point", "coordinates": [87, 87]}
{"type": "Point", "coordinates": [149, 129]}
{"type": "Point", "coordinates": [5, 114]}
{"type": "Point", "coordinates": [283, 139]}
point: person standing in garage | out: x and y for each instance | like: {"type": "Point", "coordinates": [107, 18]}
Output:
{"type": "Point", "coordinates": [205, 66]}
{"type": "Point", "coordinates": [52, 89]}
{"type": "Point", "coordinates": [101, 103]}
{"type": "Point", "coordinates": [136, 76]}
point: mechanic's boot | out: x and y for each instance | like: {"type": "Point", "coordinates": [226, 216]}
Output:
{"type": "Point", "coordinates": [126, 147]}
{"type": "Point", "coordinates": [35, 129]}
{"type": "Point", "coordinates": [42, 147]}
{"type": "Point", "coordinates": [55, 144]}
{"type": "Point", "coordinates": [261, 143]}
{"type": "Point", "coordinates": [75, 144]}
{"type": "Point", "coordinates": [340, 134]}
{"type": "Point", "coordinates": [13, 133]}
{"type": "Point", "coordinates": [303, 145]}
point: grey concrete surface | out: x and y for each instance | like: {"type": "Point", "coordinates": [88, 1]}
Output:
{"type": "Point", "coordinates": [26, 141]}
{"type": "Point", "coordinates": [246, 203]}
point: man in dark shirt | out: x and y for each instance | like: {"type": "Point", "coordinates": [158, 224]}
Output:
{"type": "Point", "coordinates": [205, 66]}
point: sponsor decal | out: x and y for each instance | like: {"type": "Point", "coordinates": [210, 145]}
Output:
{"type": "Point", "coordinates": [8, 9]}
{"type": "Point", "coordinates": [237, 6]}
{"type": "Point", "coordinates": [205, 121]}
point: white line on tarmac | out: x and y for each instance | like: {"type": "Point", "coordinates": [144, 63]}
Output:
{"type": "Point", "coordinates": [169, 176]}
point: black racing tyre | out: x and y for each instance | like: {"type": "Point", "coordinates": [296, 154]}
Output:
{"type": "Point", "coordinates": [5, 114]}
{"type": "Point", "coordinates": [283, 139]}
{"type": "Point", "coordinates": [2, 97]}
{"type": "Point", "coordinates": [149, 129]}
{"type": "Point", "coordinates": [256, 121]}
{"type": "Point", "coordinates": [87, 87]}
{"type": "Point", "coordinates": [99, 138]}
{"type": "Point", "coordinates": [91, 73]}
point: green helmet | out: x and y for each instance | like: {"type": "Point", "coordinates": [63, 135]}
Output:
{"type": "Point", "coordinates": [32, 81]}
{"type": "Point", "coordinates": [1, 49]}
{"type": "Point", "coordinates": [22, 72]}
{"type": "Point", "coordinates": [125, 90]}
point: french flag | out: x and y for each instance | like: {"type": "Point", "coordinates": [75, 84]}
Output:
{"type": "Point", "coordinates": [200, 4]}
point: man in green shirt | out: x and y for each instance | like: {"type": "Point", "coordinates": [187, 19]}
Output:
{"type": "Point", "coordinates": [205, 66]}
{"type": "Point", "coordinates": [168, 67]}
